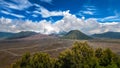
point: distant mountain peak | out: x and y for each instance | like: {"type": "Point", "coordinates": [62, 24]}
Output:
{"type": "Point", "coordinates": [76, 34]}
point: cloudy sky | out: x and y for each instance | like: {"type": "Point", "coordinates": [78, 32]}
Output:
{"type": "Point", "coordinates": [54, 16]}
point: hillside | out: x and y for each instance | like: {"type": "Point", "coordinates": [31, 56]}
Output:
{"type": "Point", "coordinates": [8, 35]}
{"type": "Point", "coordinates": [76, 34]}
{"type": "Point", "coordinates": [112, 35]}
{"type": "Point", "coordinates": [22, 34]}
{"type": "Point", "coordinates": [4, 35]}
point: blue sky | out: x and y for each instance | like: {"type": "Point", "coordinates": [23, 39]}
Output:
{"type": "Point", "coordinates": [24, 9]}
{"type": "Point", "coordinates": [105, 12]}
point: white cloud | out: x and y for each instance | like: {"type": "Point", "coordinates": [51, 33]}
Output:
{"type": "Point", "coordinates": [84, 12]}
{"type": "Point", "coordinates": [12, 14]}
{"type": "Point", "coordinates": [109, 18]}
{"type": "Point", "coordinates": [46, 13]}
{"type": "Point", "coordinates": [28, 12]}
{"type": "Point", "coordinates": [34, 15]}
{"type": "Point", "coordinates": [47, 1]}
{"type": "Point", "coordinates": [67, 23]}
{"type": "Point", "coordinates": [36, 12]}
{"type": "Point", "coordinates": [16, 15]}
{"type": "Point", "coordinates": [5, 12]}
{"type": "Point", "coordinates": [90, 8]}
{"type": "Point", "coordinates": [114, 17]}
{"type": "Point", "coordinates": [20, 4]}
{"type": "Point", "coordinates": [88, 12]}
{"type": "Point", "coordinates": [10, 25]}
{"type": "Point", "coordinates": [37, 5]}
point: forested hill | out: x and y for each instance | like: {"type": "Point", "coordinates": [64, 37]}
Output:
{"type": "Point", "coordinates": [76, 34]}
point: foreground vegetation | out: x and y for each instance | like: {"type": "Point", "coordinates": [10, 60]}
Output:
{"type": "Point", "coordinates": [81, 55]}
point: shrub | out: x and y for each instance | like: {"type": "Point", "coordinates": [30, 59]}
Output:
{"type": "Point", "coordinates": [81, 55]}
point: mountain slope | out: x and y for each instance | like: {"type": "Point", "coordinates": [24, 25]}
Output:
{"type": "Point", "coordinates": [4, 35]}
{"type": "Point", "coordinates": [76, 34]}
{"type": "Point", "coordinates": [8, 35]}
{"type": "Point", "coordinates": [22, 34]}
{"type": "Point", "coordinates": [112, 35]}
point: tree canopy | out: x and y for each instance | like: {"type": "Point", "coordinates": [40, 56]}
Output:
{"type": "Point", "coordinates": [81, 55]}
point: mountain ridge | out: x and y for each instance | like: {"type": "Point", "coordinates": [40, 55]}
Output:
{"type": "Point", "coordinates": [110, 35]}
{"type": "Point", "coordinates": [22, 34]}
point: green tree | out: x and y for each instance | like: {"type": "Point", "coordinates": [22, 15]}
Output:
{"type": "Point", "coordinates": [107, 57]}
{"type": "Point", "coordinates": [99, 52]}
{"type": "Point", "coordinates": [41, 60]}
{"type": "Point", "coordinates": [23, 62]}
{"type": "Point", "coordinates": [81, 55]}
{"type": "Point", "coordinates": [38, 60]}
